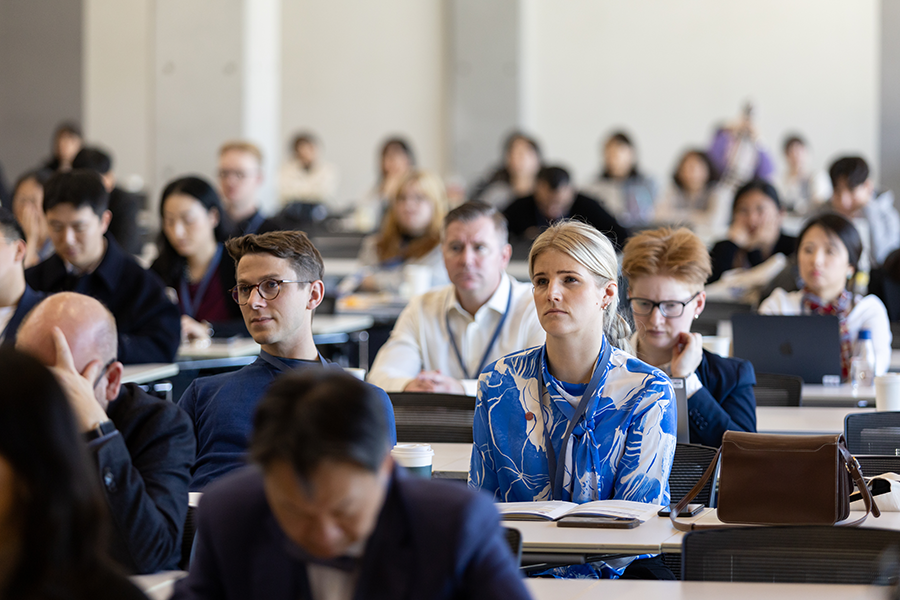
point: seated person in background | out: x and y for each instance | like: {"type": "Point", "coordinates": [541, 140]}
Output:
{"type": "Point", "coordinates": [694, 197]}
{"type": "Point", "coordinates": [279, 285]}
{"type": "Point", "coordinates": [666, 270]}
{"type": "Point", "coordinates": [828, 256]}
{"type": "Point", "coordinates": [67, 142]}
{"type": "Point", "coordinates": [396, 163]}
{"type": "Point", "coordinates": [737, 154]}
{"type": "Point", "coordinates": [555, 198]}
{"type": "Point", "coordinates": [873, 213]}
{"type": "Point", "coordinates": [52, 513]}
{"type": "Point", "coordinates": [623, 409]}
{"type": "Point", "coordinates": [802, 190]}
{"type": "Point", "coordinates": [90, 263]}
{"type": "Point", "coordinates": [621, 187]}
{"type": "Point", "coordinates": [240, 179]}
{"type": "Point", "coordinates": [16, 297]}
{"type": "Point", "coordinates": [517, 176]}
{"type": "Point", "coordinates": [444, 338]}
{"type": "Point", "coordinates": [123, 205]}
{"type": "Point", "coordinates": [192, 260]}
{"type": "Point", "coordinates": [28, 207]}
{"type": "Point", "coordinates": [327, 514]}
{"type": "Point", "coordinates": [142, 446]}
{"type": "Point", "coordinates": [307, 178]}
{"type": "Point", "coordinates": [410, 235]}
{"type": "Point", "coordinates": [755, 232]}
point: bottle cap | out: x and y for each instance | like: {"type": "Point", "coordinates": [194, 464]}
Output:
{"type": "Point", "coordinates": [865, 334]}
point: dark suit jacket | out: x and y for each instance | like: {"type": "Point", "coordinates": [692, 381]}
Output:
{"type": "Point", "coordinates": [726, 253]}
{"type": "Point", "coordinates": [125, 207]}
{"type": "Point", "coordinates": [725, 402]}
{"type": "Point", "coordinates": [526, 221]}
{"type": "Point", "coordinates": [148, 322]}
{"type": "Point", "coordinates": [433, 539]}
{"type": "Point", "coordinates": [29, 300]}
{"type": "Point", "coordinates": [144, 467]}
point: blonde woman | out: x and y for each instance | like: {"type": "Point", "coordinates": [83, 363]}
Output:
{"type": "Point", "coordinates": [410, 235]}
{"type": "Point", "coordinates": [577, 418]}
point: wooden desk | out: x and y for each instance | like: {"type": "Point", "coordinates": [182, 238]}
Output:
{"type": "Point", "coordinates": [803, 419]}
{"type": "Point", "coordinates": [149, 372]}
{"type": "Point", "coordinates": [581, 589]}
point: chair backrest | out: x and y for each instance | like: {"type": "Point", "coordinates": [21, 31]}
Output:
{"type": "Point", "coordinates": [876, 465]}
{"type": "Point", "coordinates": [793, 554]}
{"type": "Point", "coordinates": [777, 390]}
{"type": "Point", "coordinates": [187, 539]}
{"type": "Point", "coordinates": [873, 433]}
{"type": "Point", "coordinates": [688, 466]}
{"type": "Point", "coordinates": [423, 417]}
{"type": "Point", "coordinates": [514, 539]}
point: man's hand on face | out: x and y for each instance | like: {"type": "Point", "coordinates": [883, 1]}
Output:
{"type": "Point", "coordinates": [79, 387]}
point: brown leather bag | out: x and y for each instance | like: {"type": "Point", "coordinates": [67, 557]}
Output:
{"type": "Point", "coordinates": [782, 480]}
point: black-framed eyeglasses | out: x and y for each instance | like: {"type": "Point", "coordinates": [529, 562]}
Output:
{"type": "Point", "coordinates": [268, 289]}
{"type": "Point", "coordinates": [103, 371]}
{"type": "Point", "coordinates": [670, 309]}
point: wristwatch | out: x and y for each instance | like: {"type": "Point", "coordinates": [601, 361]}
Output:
{"type": "Point", "coordinates": [103, 428]}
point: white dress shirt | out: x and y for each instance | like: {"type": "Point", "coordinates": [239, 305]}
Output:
{"type": "Point", "coordinates": [420, 340]}
{"type": "Point", "coordinates": [868, 313]}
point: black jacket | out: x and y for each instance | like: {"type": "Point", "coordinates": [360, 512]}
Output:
{"type": "Point", "coordinates": [29, 300]}
{"type": "Point", "coordinates": [725, 253]}
{"type": "Point", "coordinates": [148, 322]}
{"type": "Point", "coordinates": [526, 221]}
{"type": "Point", "coordinates": [725, 402]}
{"type": "Point", "coordinates": [144, 468]}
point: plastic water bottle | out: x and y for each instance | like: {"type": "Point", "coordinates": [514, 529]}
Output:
{"type": "Point", "coordinates": [862, 365]}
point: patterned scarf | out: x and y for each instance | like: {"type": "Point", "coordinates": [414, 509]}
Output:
{"type": "Point", "coordinates": [841, 308]}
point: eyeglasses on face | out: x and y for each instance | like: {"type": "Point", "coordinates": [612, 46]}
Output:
{"type": "Point", "coordinates": [268, 289]}
{"type": "Point", "coordinates": [670, 309]}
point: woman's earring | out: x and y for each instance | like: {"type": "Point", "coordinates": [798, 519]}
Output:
{"type": "Point", "coordinates": [696, 317]}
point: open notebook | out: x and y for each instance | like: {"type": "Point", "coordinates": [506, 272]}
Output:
{"type": "Point", "coordinates": [554, 510]}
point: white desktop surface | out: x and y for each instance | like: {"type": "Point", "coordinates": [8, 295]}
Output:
{"type": "Point", "coordinates": [803, 419]}
{"type": "Point", "coordinates": [835, 393]}
{"type": "Point", "coordinates": [149, 372]}
{"type": "Point", "coordinates": [618, 589]}
{"type": "Point", "coordinates": [325, 324]}
{"type": "Point", "coordinates": [158, 586]}
{"type": "Point", "coordinates": [451, 459]}
{"type": "Point", "coordinates": [341, 267]}
{"type": "Point", "coordinates": [546, 537]}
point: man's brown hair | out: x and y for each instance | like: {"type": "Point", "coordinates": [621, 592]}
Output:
{"type": "Point", "coordinates": [292, 245]}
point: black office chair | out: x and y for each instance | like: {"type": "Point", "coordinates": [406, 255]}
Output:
{"type": "Point", "coordinates": [688, 466]}
{"type": "Point", "coordinates": [873, 433]}
{"type": "Point", "coordinates": [876, 465]}
{"type": "Point", "coordinates": [777, 390]}
{"type": "Point", "coordinates": [187, 538]}
{"type": "Point", "coordinates": [793, 554]}
{"type": "Point", "coordinates": [514, 539]}
{"type": "Point", "coordinates": [423, 417]}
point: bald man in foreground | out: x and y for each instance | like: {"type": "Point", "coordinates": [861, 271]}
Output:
{"type": "Point", "coordinates": [143, 446]}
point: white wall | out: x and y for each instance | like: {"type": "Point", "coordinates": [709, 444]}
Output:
{"type": "Point", "coordinates": [668, 71]}
{"type": "Point", "coordinates": [118, 82]}
{"type": "Point", "coordinates": [355, 72]}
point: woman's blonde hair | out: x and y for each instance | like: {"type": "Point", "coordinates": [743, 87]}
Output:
{"type": "Point", "coordinates": [675, 253]}
{"type": "Point", "coordinates": [593, 251]}
{"type": "Point", "coordinates": [390, 240]}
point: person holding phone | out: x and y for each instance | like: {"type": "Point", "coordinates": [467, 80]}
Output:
{"type": "Point", "coordinates": [666, 269]}
{"type": "Point", "coordinates": [577, 418]}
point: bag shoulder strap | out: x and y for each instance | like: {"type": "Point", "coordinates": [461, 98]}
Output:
{"type": "Point", "coordinates": [682, 504]}
{"type": "Point", "coordinates": [865, 492]}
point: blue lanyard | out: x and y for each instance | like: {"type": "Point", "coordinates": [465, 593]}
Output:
{"type": "Point", "coordinates": [184, 292]}
{"type": "Point", "coordinates": [490, 346]}
{"type": "Point", "coordinates": [557, 467]}
{"type": "Point", "coordinates": [280, 365]}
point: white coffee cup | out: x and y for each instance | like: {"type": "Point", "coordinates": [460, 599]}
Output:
{"type": "Point", "coordinates": [887, 392]}
{"type": "Point", "coordinates": [416, 280]}
{"type": "Point", "coordinates": [416, 458]}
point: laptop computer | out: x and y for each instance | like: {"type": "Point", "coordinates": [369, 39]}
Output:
{"type": "Point", "coordinates": [805, 345]}
{"type": "Point", "coordinates": [683, 431]}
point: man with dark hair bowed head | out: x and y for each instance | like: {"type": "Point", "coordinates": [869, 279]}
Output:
{"type": "Point", "coordinates": [326, 514]}
{"type": "Point", "coordinates": [142, 446]}
{"type": "Point", "coordinates": [555, 198]}
{"type": "Point", "coordinates": [279, 285]}
{"type": "Point", "coordinates": [89, 262]}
